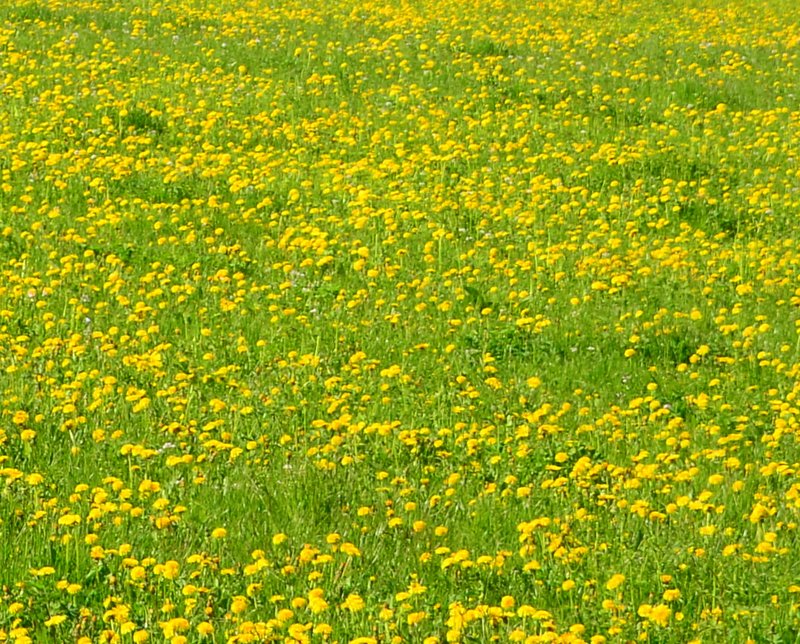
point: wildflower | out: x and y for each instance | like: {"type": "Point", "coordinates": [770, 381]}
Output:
{"type": "Point", "coordinates": [55, 620]}
{"type": "Point", "coordinates": [239, 604]}
{"type": "Point", "coordinates": [353, 603]}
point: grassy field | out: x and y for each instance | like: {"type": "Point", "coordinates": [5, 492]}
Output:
{"type": "Point", "coordinates": [382, 322]}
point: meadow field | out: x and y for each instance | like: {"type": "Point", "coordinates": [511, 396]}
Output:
{"type": "Point", "coordinates": [399, 322]}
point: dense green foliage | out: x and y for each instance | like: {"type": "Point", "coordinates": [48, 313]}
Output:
{"type": "Point", "coordinates": [368, 321]}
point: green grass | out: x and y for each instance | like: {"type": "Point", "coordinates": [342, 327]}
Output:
{"type": "Point", "coordinates": [461, 312]}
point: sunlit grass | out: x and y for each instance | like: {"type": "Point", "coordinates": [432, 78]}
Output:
{"type": "Point", "coordinates": [376, 322]}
